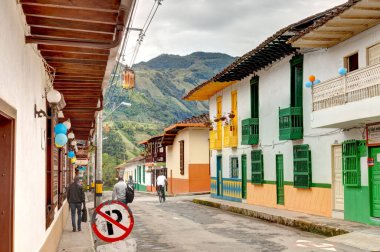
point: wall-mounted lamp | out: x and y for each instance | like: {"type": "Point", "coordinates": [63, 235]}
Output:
{"type": "Point", "coordinates": [53, 97]}
{"type": "Point", "coordinates": [71, 135]}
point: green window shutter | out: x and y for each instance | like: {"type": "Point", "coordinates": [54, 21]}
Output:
{"type": "Point", "coordinates": [143, 173]}
{"type": "Point", "coordinates": [257, 167]}
{"type": "Point", "coordinates": [255, 97]}
{"type": "Point", "coordinates": [302, 166]}
{"type": "Point", "coordinates": [352, 151]}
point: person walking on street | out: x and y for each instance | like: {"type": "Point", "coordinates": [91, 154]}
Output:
{"type": "Point", "coordinates": [130, 182]}
{"type": "Point", "coordinates": [75, 197]}
{"type": "Point", "coordinates": [119, 190]}
{"type": "Point", "coordinates": [161, 183]}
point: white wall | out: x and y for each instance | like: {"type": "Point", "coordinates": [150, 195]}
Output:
{"type": "Point", "coordinates": [21, 85]}
{"type": "Point", "coordinates": [274, 92]}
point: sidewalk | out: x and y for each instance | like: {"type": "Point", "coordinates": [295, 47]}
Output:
{"type": "Point", "coordinates": [350, 233]}
{"type": "Point", "coordinates": [77, 241]}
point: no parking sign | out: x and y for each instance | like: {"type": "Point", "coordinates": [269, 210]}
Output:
{"type": "Point", "coordinates": [112, 221]}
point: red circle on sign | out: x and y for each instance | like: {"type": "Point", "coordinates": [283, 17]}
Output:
{"type": "Point", "coordinates": [127, 230]}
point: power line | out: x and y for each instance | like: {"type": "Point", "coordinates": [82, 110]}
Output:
{"type": "Point", "coordinates": [146, 25]}
{"type": "Point", "coordinates": [125, 41]}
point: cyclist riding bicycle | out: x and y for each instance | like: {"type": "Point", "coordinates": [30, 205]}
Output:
{"type": "Point", "coordinates": [161, 183]}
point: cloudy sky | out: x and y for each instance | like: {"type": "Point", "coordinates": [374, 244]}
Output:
{"type": "Point", "coordinates": [229, 26]}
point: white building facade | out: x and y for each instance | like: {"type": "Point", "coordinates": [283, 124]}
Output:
{"type": "Point", "coordinates": [276, 149]}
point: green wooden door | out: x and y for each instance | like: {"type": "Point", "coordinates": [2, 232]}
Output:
{"type": "Point", "coordinates": [219, 184]}
{"type": "Point", "coordinates": [244, 176]}
{"type": "Point", "coordinates": [280, 178]}
{"type": "Point", "coordinates": [375, 182]}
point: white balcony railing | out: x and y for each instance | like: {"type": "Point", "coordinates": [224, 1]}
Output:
{"type": "Point", "coordinates": [354, 86]}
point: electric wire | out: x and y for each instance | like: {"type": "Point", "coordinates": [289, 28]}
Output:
{"type": "Point", "coordinates": [146, 25]}
{"type": "Point", "coordinates": [121, 54]}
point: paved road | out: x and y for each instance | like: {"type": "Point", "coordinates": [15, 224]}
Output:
{"type": "Point", "coordinates": [180, 225]}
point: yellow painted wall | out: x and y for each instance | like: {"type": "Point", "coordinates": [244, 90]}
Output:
{"type": "Point", "coordinates": [173, 155]}
{"type": "Point", "coordinates": [199, 148]}
{"type": "Point", "coordinates": [196, 150]}
{"type": "Point", "coordinates": [315, 200]}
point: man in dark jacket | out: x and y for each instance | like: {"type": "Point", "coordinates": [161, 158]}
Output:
{"type": "Point", "coordinates": [75, 197]}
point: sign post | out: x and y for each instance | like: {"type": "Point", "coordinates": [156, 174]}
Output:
{"type": "Point", "coordinates": [112, 221]}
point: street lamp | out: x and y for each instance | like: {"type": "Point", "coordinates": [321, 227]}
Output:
{"type": "Point", "coordinates": [126, 104]}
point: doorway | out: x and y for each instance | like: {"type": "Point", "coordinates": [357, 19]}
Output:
{"type": "Point", "coordinates": [243, 176]}
{"type": "Point", "coordinates": [375, 182]}
{"type": "Point", "coordinates": [7, 141]}
{"type": "Point", "coordinates": [338, 189]}
{"type": "Point", "coordinates": [280, 179]}
{"type": "Point", "coordinates": [219, 181]}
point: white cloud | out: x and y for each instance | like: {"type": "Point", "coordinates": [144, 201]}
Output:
{"type": "Point", "coordinates": [228, 26]}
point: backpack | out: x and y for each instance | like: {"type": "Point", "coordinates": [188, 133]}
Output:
{"type": "Point", "coordinates": [129, 193]}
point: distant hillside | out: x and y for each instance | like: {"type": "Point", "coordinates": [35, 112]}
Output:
{"type": "Point", "coordinates": [157, 98]}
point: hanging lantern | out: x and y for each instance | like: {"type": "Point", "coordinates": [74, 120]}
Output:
{"type": "Point", "coordinates": [106, 128]}
{"type": "Point", "coordinates": [128, 78]}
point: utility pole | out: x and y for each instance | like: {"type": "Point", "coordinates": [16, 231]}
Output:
{"type": "Point", "coordinates": [99, 161]}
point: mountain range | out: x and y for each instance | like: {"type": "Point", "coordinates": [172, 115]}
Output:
{"type": "Point", "coordinates": [160, 84]}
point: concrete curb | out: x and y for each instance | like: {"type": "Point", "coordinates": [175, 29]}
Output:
{"type": "Point", "coordinates": [303, 225]}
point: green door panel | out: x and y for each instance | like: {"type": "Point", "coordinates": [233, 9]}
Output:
{"type": "Point", "coordinates": [244, 176]}
{"type": "Point", "coordinates": [219, 184]}
{"type": "Point", "coordinates": [375, 182]}
{"type": "Point", "coordinates": [280, 179]}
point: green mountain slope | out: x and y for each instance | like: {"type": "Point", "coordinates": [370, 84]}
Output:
{"type": "Point", "coordinates": [157, 98]}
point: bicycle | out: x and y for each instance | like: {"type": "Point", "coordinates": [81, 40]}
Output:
{"type": "Point", "coordinates": [161, 193]}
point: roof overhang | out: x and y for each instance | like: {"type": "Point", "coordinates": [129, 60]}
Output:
{"type": "Point", "coordinates": [79, 40]}
{"type": "Point", "coordinates": [271, 50]}
{"type": "Point", "coordinates": [346, 21]}
{"type": "Point", "coordinates": [206, 90]}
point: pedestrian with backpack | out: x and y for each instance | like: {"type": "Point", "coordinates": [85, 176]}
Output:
{"type": "Point", "coordinates": [119, 191]}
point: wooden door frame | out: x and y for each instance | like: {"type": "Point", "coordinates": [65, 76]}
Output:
{"type": "Point", "coordinates": [370, 174]}
{"type": "Point", "coordinates": [333, 176]}
{"type": "Point", "coordinates": [10, 113]}
{"type": "Point", "coordinates": [242, 181]}
{"type": "Point", "coordinates": [217, 175]}
{"type": "Point", "coordinates": [283, 178]}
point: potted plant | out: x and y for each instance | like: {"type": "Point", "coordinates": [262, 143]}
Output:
{"type": "Point", "coordinates": [231, 115]}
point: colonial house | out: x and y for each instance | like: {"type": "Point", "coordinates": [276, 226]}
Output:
{"type": "Point", "coordinates": [187, 155]}
{"type": "Point", "coordinates": [279, 143]}
{"type": "Point", "coordinates": [155, 160]}
{"type": "Point", "coordinates": [182, 154]}
{"type": "Point", "coordinates": [135, 168]}
{"type": "Point", "coordinates": [56, 59]}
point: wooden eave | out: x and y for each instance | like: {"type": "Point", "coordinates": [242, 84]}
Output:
{"type": "Point", "coordinates": [79, 39]}
{"type": "Point", "coordinates": [349, 20]}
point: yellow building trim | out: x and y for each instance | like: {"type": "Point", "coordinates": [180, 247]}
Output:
{"type": "Point", "coordinates": [206, 90]}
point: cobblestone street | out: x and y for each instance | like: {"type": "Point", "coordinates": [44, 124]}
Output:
{"type": "Point", "coordinates": [180, 225]}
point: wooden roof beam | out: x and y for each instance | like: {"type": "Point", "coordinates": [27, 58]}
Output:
{"type": "Point", "coordinates": [85, 43]}
{"type": "Point", "coordinates": [69, 24]}
{"type": "Point", "coordinates": [103, 5]}
{"type": "Point", "coordinates": [71, 34]}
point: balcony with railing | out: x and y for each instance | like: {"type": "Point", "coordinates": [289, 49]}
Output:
{"type": "Point", "coordinates": [347, 100]}
{"type": "Point", "coordinates": [230, 139]}
{"type": "Point", "coordinates": [291, 123]}
{"type": "Point", "coordinates": [250, 131]}
{"type": "Point", "coordinates": [215, 142]}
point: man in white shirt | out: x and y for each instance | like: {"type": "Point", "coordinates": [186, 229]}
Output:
{"type": "Point", "coordinates": [119, 191]}
{"type": "Point", "coordinates": [161, 183]}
